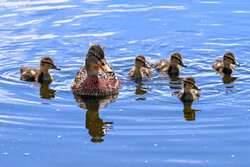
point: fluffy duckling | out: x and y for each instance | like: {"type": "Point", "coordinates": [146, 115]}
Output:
{"type": "Point", "coordinates": [190, 91]}
{"type": "Point", "coordinates": [171, 66]}
{"type": "Point", "coordinates": [225, 66]}
{"type": "Point", "coordinates": [141, 69]}
{"type": "Point", "coordinates": [39, 74]}
{"type": "Point", "coordinates": [96, 77]}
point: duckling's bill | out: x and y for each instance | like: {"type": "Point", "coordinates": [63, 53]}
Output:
{"type": "Point", "coordinates": [196, 87]}
{"type": "Point", "coordinates": [55, 67]}
{"type": "Point", "coordinates": [236, 63]}
{"type": "Point", "coordinates": [146, 65]}
{"type": "Point", "coordinates": [182, 64]}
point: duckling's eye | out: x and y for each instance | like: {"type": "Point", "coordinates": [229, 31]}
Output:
{"type": "Point", "coordinates": [103, 64]}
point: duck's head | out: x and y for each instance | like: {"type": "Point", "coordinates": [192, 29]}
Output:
{"type": "Point", "coordinates": [95, 58]}
{"type": "Point", "coordinates": [189, 83]}
{"type": "Point", "coordinates": [140, 61]}
{"type": "Point", "coordinates": [228, 58]}
{"type": "Point", "coordinates": [176, 59]}
{"type": "Point", "coordinates": [47, 63]}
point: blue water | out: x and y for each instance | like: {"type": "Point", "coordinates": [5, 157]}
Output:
{"type": "Point", "coordinates": [146, 125]}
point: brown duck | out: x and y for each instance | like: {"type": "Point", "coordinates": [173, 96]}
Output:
{"type": "Point", "coordinates": [171, 66]}
{"type": "Point", "coordinates": [225, 66]}
{"type": "Point", "coordinates": [190, 91]}
{"type": "Point", "coordinates": [96, 77]}
{"type": "Point", "coordinates": [141, 69]}
{"type": "Point", "coordinates": [39, 74]}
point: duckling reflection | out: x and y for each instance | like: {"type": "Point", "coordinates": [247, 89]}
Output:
{"type": "Point", "coordinates": [189, 93]}
{"type": "Point", "coordinates": [189, 113]}
{"type": "Point", "coordinates": [46, 92]}
{"type": "Point", "coordinates": [96, 126]}
{"type": "Point", "coordinates": [227, 79]}
{"type": "Point", "coordinates": [175, 83]}
{"type": "Point", "coordinates": [141, 90]}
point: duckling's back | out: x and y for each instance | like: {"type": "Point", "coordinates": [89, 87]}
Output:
{"type": "Point", "coordinates": [218, 65]}
{"type": "Point", "coordinates": [147, 71]}
{"type": "Point", "coordinates": [162, 65]}
{"type": "Point", "coordinates": [29, 74]}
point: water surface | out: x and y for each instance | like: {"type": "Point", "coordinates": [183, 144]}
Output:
{"type": "Point", "coordinates": [145, 124]}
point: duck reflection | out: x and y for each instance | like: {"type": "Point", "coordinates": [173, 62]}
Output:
{"type": "Point", "coordinates": [46, 92]}
{"type": "Point", "coordinates": [96, 126]}
{"type": "Point", "coordinates": [189, 113]}
{"type": "Point", "coordinates": [141, 90]}
{"type": "Point", "coordinates": [227, 79]}
{"type": "Point", "coordinates": [175, 83]}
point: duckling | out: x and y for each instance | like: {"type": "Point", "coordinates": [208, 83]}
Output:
{"type": "Point", "coordinates": [96, 77]}
{"type": "Point", "coordinates": [142, 68]}
{"type": "Point", "coordinates": [225, 66]}
{"type": "Point", "coordinates": [171, 66]}
{"type": "Point", "coordinates": [190, 91]}
{"type": "Point", "coordinates": [39, 74]}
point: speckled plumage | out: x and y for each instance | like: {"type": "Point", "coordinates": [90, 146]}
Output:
{"type": "Point", "coordinates": [190, 91]}
{"type": "Point", "coordinates": [39, 74]}
{"type": "Point", "coordinates": [225, 66]}
{"type": "Point", "coordinates": [171, 66]}
{"type": "Point", "coordinates": [141, 69]}
{"type": "Point", "coordinates": [145, 72]}
{"type": "Point", "coordinates": [95, 82]}
{"type": "Point", "coordinates": [88, 86]}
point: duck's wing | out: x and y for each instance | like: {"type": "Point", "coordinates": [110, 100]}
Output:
{"type": "Point", "coordinates": [106, 84]}
{"type": "Point", "coordinates": [180, 94]}
{"type": "Point", "coordinates": [132, 72]}
{"type": "Point", "coordinates": [232, 68]}
{"type": "Point", "coordinates": [147, 71]}
{"type": "Point", "coordinates": [29, 74]}
{"type": "Point", "coordinates": [218, 65]}
{"type": "Point", "coordinates": [162, 64]}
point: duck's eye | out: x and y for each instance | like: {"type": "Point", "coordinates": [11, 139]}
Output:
{"type": "Point", "coordinates": [103, 64]}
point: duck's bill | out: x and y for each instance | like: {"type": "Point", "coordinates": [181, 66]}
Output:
{"type": "Point", "coordinates": [105, 67]}
{"type": "Point", "coordinates": [196, 87]}
{"type": "Point", "coordinates": [236, 63]}
{"type": "Point", "coordinates": [183, 65]}
{"type": "Point", "coordinates": [146, 65]}
{"type": "Point", "coordinates": [55, 67]}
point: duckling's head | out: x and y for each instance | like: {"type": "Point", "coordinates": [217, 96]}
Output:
{"type": "Point", "coordinates": [176, 59]}
{"type": "Point", "coordinates": [95, 59]}
{"type": "Point", "coordinates": [140, 61]}
{"type": "Point", "coordinates": [47, 63]}
{"type": "Point", "coordinates": [228, 59]}
{"type": "Point", "coordinates": [189, 83]}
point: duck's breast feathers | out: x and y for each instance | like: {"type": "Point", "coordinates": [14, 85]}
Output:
{"type": "Point", "coordinates": [106, 83]}
{"type": "Point", "coordinates": [189, 96]}
{"type": "Point", "coordinates": [162, 64]}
